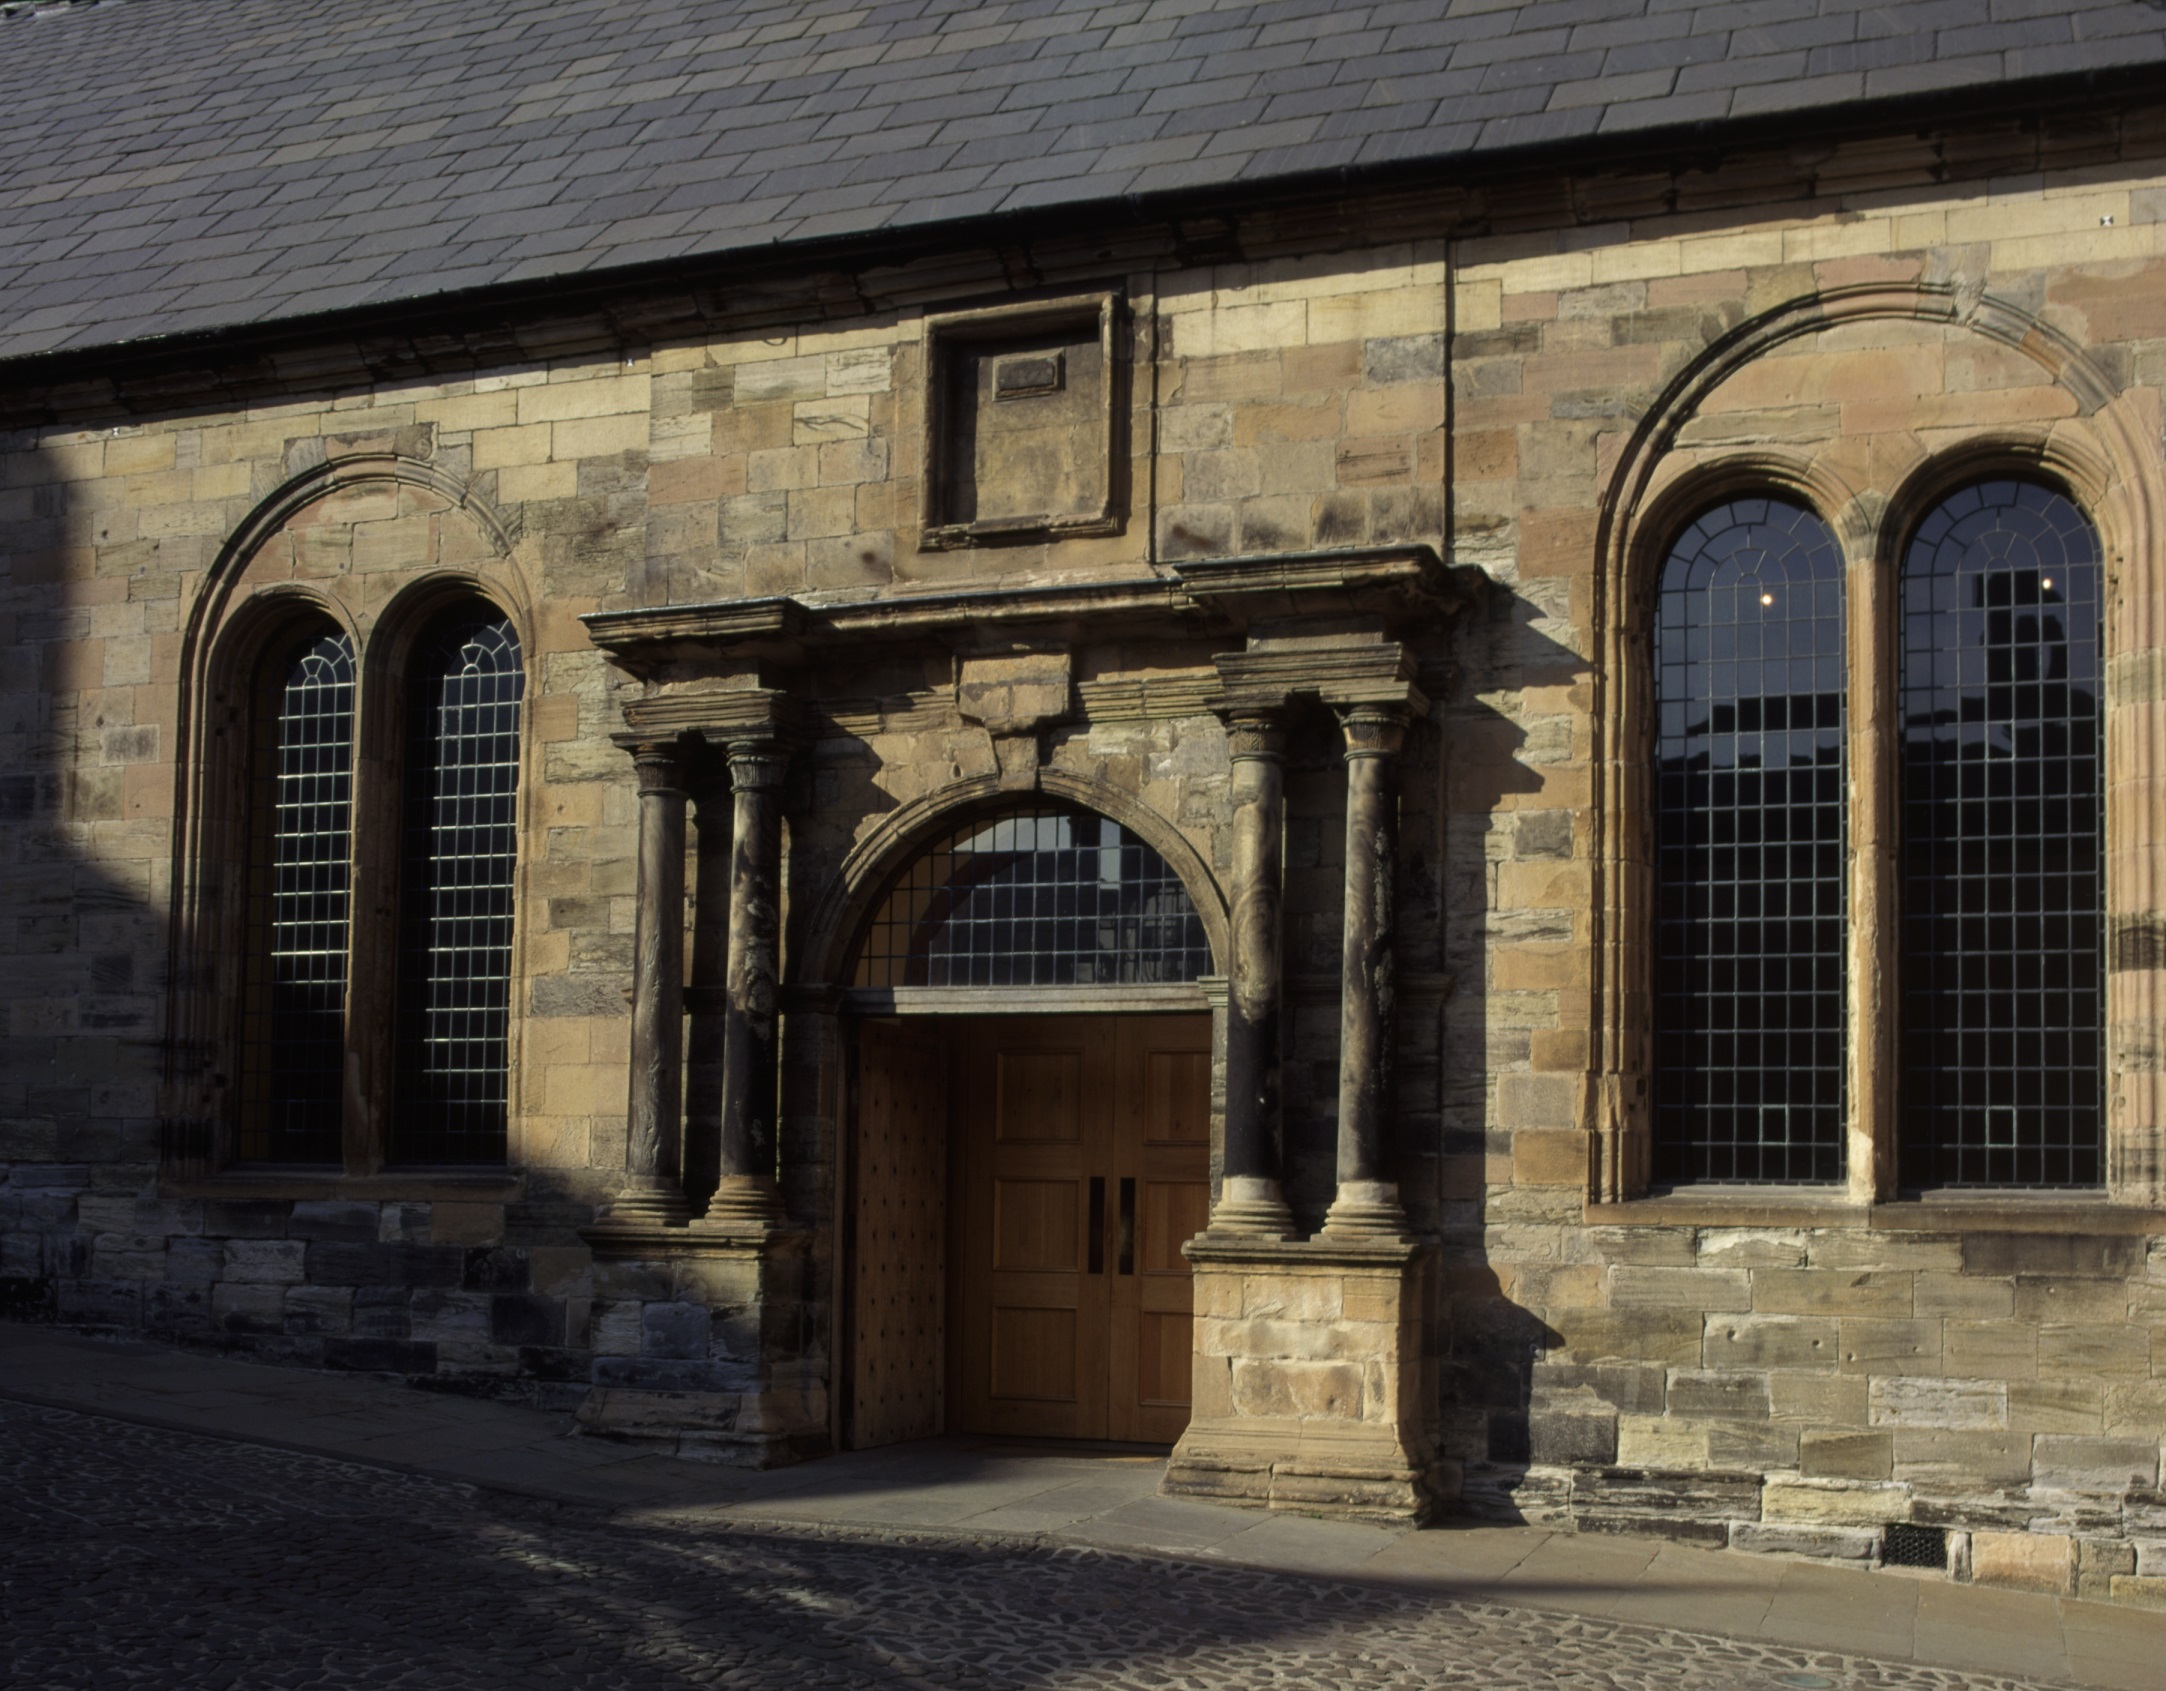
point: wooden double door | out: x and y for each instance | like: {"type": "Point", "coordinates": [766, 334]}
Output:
{"type": "Point", "coordinates": [1080, 1166]}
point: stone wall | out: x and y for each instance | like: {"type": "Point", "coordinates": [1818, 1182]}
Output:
{"type": "Point", "coordinates": [1522, 397]}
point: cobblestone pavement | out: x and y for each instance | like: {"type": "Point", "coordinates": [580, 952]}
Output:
{"type": "Point", "coordinates": [134, 1557]}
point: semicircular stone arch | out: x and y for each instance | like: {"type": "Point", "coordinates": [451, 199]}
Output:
{"type": "Point", "coordinates": [850, 907]}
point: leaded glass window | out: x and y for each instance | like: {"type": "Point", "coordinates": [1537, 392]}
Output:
{"type": "Point", "coordinates": [293, 1020]}
{"type": "Point", "coordinates": [2002, 959]}
{"type": "Point", "coordinates": [460, 852]}
{"type": "Point", "coordinates": [1749, 1000]}
{"type": "Point", "coordinates": [1046, 898]}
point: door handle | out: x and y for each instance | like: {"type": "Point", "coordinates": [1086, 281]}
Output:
{"type": "Point", "coordinates": [1128, 1224]}
{"type": "Point", "coordinates": [1098, 1224]}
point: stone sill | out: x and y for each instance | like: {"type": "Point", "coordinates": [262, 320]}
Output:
{"type": "Point", "coordinates": [417, 1185]}
{"type": "Point", "coordinates": [1938, 1212]}
{"type": "Point", "coordinates": [650, 1242]}
{"type": "Point", "coordinates": [1314, 1252]}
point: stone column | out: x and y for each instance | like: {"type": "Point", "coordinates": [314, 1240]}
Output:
{"type": "Point", "coordinates": [1252, 1200]}
{"type": "Point", "coordinates": [706, 996]}
{"type": "Point", "coordinates": [1368, 1201]}
{"type": "Point", "coordinates": [654, 1116]}
{"type": "Point", "coordinates": [745, 1197]}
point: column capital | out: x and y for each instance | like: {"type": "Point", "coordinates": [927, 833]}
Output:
{"type": "Point", "coordinates": [1374, 729]}
{"type": "Point", "coordinates": [758, 763]}
{"type": "Point", "coordinates": [660, 762]}
{"type": "Point", "coordinates": [1255, 732]}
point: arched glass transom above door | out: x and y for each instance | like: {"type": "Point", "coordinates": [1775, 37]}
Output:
{"type": "Point", "coordinates": [1047, 897]}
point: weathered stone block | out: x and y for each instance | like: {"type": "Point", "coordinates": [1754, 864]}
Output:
{"type": "Point", "coordinates": [1706, 1393]}
{"type": "Point", "coordinates": [273, 1261]}
{"type": "Point", "coordinates": [1557, 1436]}
{"type": "Point", "coordinates": [1680, 1288]}
{"type": "Point", "coordinates": [1846, 1456]}
{"type": "Point", "coordinates": [447, 1317]}
{"type": "Point", "coordinates": [2103, 1255]}
{"type": "Point", "coordinates": [2063, 1463]}
{"type": "Point", "coordinates": [1770, 1341]}
{"type": "Point", "coordinates": [1905, 1401]}
{"type": "Point", "coordinates": [1950, 1461]}
{"type": "Point", "coordinates": [2024, 1561]}
{"type": "Point", "coordinates": [341, 1220]}
{"type": "Point", "coordinates": [343, 1264]}
{"type": "Point", "coordinates": [1829, 1543]}
{"type": "Point", "coordinates": [1818, 1291]}
{"type": "Point", "coordinates": [674, 1330]}
{"type": "Point", "coordinates": [1855, 1503]}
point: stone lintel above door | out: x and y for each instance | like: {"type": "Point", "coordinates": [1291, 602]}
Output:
{"type": "Point", "coordinates": [1377, 588]}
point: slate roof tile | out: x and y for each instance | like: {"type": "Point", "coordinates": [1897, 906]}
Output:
{"type": "Point", "coordinates": [175, 164]}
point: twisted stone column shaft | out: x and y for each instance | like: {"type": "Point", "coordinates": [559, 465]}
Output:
{"type": "Point", "coordinates": [1252, 1198]}
{"type": "Point", "coordinates": [654, 1107]}
{"type": "Point", "coordinates": [1368, 1198]}
{"type": "Point", "coordinates": [746, 1193]}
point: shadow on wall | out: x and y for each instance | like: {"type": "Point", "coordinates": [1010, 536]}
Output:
{"type": "Point", "coordinates": [1514, 930]}
{"type": "Point", "coordinates": [86, 802]}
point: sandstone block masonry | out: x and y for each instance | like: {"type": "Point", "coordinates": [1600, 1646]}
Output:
{"type": "Point", "coordinates": [1539, 387]}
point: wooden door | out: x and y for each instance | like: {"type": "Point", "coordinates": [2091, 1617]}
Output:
{"type": "Point", "coordinates": [1082, 1165]}
{"type": "Point", "coordinates": [898, 1251]}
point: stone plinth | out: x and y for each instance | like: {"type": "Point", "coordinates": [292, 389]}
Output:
{"type": "Point", "coordinates": [1311, 1379]}
{"type": "Point", "coordinates": [699, 1345]}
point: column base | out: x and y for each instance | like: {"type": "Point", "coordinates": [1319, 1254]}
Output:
{"type": "Point", "coordinates": [647, 1200]}
{"type": "Point", "coordinates": [1311, 1380]}
{"type": "Point", "coordinates": [742, 1203]}
{"type": "Point", "coordinates": [1251, 1207]}
{"type": "Point", "coordinates": [700, 1346]}
{"type": "Point", "coordinates": [1366, 1209]}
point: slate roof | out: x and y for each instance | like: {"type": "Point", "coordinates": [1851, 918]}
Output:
{"type": "Point", "coordinates": [169, 166]}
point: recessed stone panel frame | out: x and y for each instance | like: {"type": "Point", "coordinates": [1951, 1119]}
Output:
{"type": "Point", "coordinates": [2103, 456]}
{"type": "Point", "coordinates": [240, 611]}
{"type": "Point", "coordinates": [1096, 320]}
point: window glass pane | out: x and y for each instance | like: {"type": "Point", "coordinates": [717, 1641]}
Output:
{"type": "Point", "coordinates": [293, 1023]}
{"type": "Point", "coordinates": [1046, 898]}
{"type": "Point", "coordinates": [1749, 806]}
{"type": "Point", "coordinates": [455, 894]}
{"type": "Point", "coordinates": [2003, 885]}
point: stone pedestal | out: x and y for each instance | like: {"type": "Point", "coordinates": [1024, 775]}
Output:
{"type": "Point", "coordinates": [700, 1345]}
{"type": "Point", "coordinates": [1312, 1381]}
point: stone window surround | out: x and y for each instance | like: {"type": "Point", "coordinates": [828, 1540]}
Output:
{"type": "Point", "coordinates": [231, 629]}
{"type": "Point", "coordinates": [1873, 530]}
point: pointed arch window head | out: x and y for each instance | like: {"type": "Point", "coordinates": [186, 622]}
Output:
{"type": "Point", "coordinates": [1045, 897]}
{"type": "Point", "coordinates": [2002, 954]}
{"type": "Point", "coordinates": [1750, 824]}
{"type": "Point", "coordinates": [464, 689]}
{"type": "Point", "coordinates": [299, 896]}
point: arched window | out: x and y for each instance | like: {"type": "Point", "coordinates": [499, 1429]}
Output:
{"type": "Point", "coordinates": [1749, 667]}
{"type": "Point", "coordinates": [300, 872]}
{"type": "Point", "coordinates": [1048, 897]}
{"type": "Point", "coordinates": [460, 850]}
{"type": "Point", "coordinates": [2002, 961]}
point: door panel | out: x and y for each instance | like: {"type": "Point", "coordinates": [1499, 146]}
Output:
{"type": "Point", "coordinates": [1081, 1166]}
{"type": "Point", "coordinates": [898, 1267]}
{"type": "Point", "coordinates": [1035, 1225]}
{"type": "Point", "coordinates": [1029, 1316]}
{"type": "Point", "coordinates": [1040, 1096]}
{"type": "Point", "coordinates": [1165, 1149]}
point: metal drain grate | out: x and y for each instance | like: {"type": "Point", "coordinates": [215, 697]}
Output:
{"type": "Point", "coordinates": [1907, 1546]}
